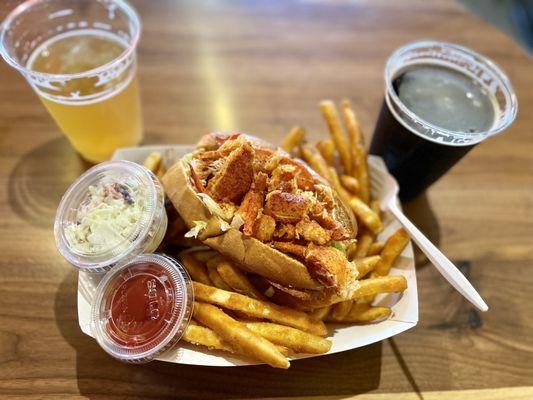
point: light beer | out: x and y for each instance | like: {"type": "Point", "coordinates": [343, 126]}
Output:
{"type": "Point", "coordinates": [102, 116]}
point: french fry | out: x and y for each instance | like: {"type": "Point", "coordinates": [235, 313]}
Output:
{"type": "Point", "coordinates": [351, 250]}
{"type": "Point", "coordinates": [153, 161]}
{"type": "Point", "coordinates": [320, 313]}
{"type": "Point", "coordinates": [200, 335]}
{"type": "Point", "coordinates": [363, 243]}
{"type": "Point", "coordinates": [368, 217]}
{"type": "Point", "coordinates": [358, 152]}
{"type": "Point", "coordinates": [365, 300]}
{"type": "Point", "coordinates": [204, 255]}
{"type": "Point", "coordinates": [375, 248]}
{"type": "Point", "coordinates": [316, 162]}
{"type": "Point", "coordinates": [213, 274]}
{"type": "Point", "coordinates": [364, 313]}
{"type": "Point", "coordinates": [375, 206]}
{"type": "Point", "coordinates": [330, 114]}
{"type": "Point", "coordinates": [340, 310]}
{"type": "Point", "coordinates": [196, 269]}
{"type": "Point", "coordinates": [237, 280]}
{"type": "Point", "coordinates": [382, 284]}
{"type": "Point", "coordinates": [214, 261]}
{"type": "Point", "coordinates": [293, 139]}
{"type": "Point", "coordinates": [327, 150]}
{"type": "Point", "coordinates": [217, 279]}
{"type": "Point", "coordinates": [350, 183]}
{"type": "Point", "coordinates": [366, 265]}
{"type": "Point", "coordinates": [335, 182]}
{"type": "Point", "coordinates": [294, 339]}
{"type": "Point", "coordinates": [161, 170]}
{"type": "Point", "coordinates": [242, 339]}
{"type": "Point", "coordinates": [259, 309]}
{"type": "Point", "coordinates": [392, 249]}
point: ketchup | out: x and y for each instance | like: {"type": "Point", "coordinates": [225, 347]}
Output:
{"type": "Point", "coordinates": [139, 306]}
{"type": "Point", "coordinates": [142, 308]}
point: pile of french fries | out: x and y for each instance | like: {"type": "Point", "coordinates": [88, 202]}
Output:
{"type": "Point", "coordinates": [233, 315]}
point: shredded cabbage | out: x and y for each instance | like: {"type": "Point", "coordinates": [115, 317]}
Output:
{"type": "Point", "coordinates": [237, 221]}
{"type": "Point", "coordinates": [214, 208]}
{"type": "Point", "coordinates": [110, 215]}
{"type": "Point", "coordinates": [198, 227]}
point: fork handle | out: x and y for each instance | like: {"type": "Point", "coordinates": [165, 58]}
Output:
{"type": "Point", "coordinates": [440, 261]}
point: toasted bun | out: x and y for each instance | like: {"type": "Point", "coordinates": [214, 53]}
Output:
{"type": "Point", "coordinates": [260, 258]}
{"type": "Point", "coordinates": [250, 253]}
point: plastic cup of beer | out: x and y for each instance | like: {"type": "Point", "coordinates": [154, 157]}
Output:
{"type": "Point", "coordinates": [79, 56]}
{"type": "Point", "coordinates": [440, 101]}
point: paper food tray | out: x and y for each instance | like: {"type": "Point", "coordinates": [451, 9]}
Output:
{"type": "Point", "coordinates": [344, 337]}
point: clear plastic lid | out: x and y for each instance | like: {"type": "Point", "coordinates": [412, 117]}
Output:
{"type": "Point", "coordinates": [113, 211]}
{"type": "Point", "coordinates": [480, 69]}
{"type": "Point", "coordinates": [142, 308]}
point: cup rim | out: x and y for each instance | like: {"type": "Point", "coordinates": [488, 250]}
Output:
{"type": "Point", "coordinates": [498, 72]}
{"type": "Point", "coordinates": [21, 8]}
{"type": "Point", "coordinates": [128, 246]}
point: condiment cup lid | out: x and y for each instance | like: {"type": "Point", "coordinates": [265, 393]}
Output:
{"type": "Point", "coordinates": [142, 308]}
{"type": "Point", "coordinates": [127, 175]}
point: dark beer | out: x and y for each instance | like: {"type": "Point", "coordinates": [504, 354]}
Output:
{"type": "Point", "coordinates": [435, 112]}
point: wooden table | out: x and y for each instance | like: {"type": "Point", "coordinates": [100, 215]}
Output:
{"type": "Point", "coordinates": [262, 67]}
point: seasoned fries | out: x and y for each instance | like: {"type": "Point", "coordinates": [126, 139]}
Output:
{"type": "Point", "coordinates": [200, 335]}
{"type": "Point", "coordinates": [363, 244]}
{"type": "Point", "coordinates": [375, 248]}
{"type": "Point", "coordinates": [327, 150]}
{"type": "Point", "coordinates": [293, 139]}
{"type": "Point", "coordinates": [358, 152]}
{"type": "Point", "coordinates": [204, 255]}
{"type": "Point", "coordinates": [217, 279]}
{"type": "Point", "coordinates": [330, 114]}
{"type": "Point", "coordinates": [241, 338]}
{"type": "Point", "coordinates": [294, 339]}
{"type": "Point", "coordinates": [393, 247]}
{"type": "Point", "coordinates": [362, 313]}
{"type": "Point", "coordinates": [383, 284]}
{"type": "Point", "coordinates": [366, 215]}
{"type": "Point", "coordinates": [237, 280]}
{"type": "Point", "coordinates": [196, 269]}
{"type": "Point", "coordinates": [335, 182]}
{"type": "Point", "coordinates": [153, 161]}
{"type": "Point", "coordinates": [320, 313]}
{"type": "Point", "coordinates": [350, 183]}
{"type": "Point", "coordinates": [316, 162]}
{"type": "Point", "coordinates": [203, 336]}
{"type": "Point", "coordinates": [366, 265]}
{"type": "Point", "coordinates": [340, 310]}
{"type": "Point", "coordinates": [259, 309]}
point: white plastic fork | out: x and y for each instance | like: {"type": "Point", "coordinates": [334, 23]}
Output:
{"type": "Point", "coordinates": [383, 182]}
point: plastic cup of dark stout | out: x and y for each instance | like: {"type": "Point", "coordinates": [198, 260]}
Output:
{"type": "Point", "coordinates": [440, 101]}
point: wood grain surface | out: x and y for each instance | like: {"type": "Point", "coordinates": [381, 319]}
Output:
{"type": "Point", "coordinates": [262, 66]}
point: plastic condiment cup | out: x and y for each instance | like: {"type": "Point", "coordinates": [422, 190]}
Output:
{"type": "Point", "coordinates": [142, 308]}
{"type": "Point", "coordinates": [145, 234]}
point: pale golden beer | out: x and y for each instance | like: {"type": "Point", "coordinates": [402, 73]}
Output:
{"type": "Point", "coordinates": [98, 126]}
{"type": "Point", "coordinates": [80, 58]}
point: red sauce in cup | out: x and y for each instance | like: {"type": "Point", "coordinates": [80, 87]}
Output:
{"type": "Point", "coordinates": [142, 307]}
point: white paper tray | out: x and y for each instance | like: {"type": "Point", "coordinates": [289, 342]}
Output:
{"type": "Point", "coordinates": [404, 306]}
